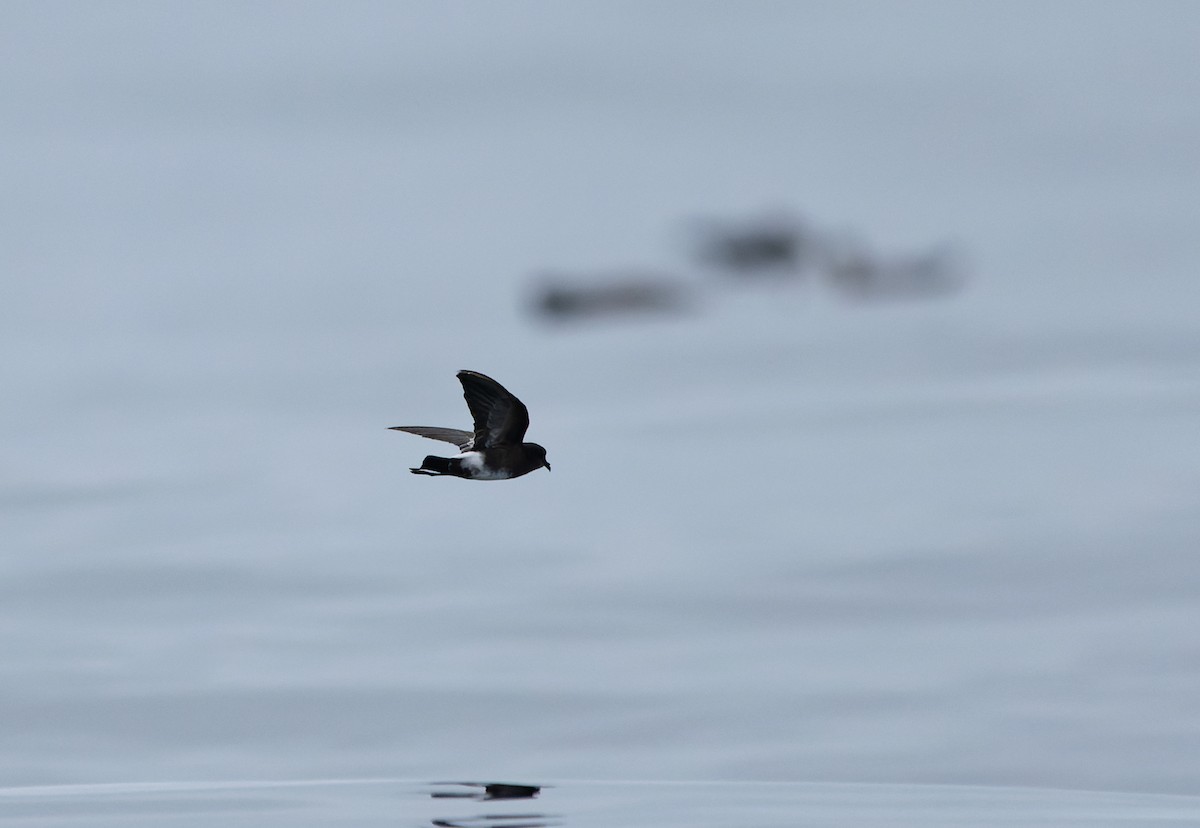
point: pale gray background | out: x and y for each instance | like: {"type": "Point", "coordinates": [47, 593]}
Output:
{"type": "Point", "coordinates": [786, 537]}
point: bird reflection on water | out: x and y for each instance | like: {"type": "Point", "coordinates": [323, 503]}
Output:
{"type": "Point", "coordinates": [485, 791]}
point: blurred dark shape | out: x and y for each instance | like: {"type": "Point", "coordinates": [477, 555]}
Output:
{"type": "Point", "coordinates": [861, 275]}
{"type": "Point", "coordinates": [501, 790]}
{"type": "Point", "coordinates": [771, 245]}
{"type": "Point", "coordinates": [560, 299]}
{"type": "Point", "coordinates": [488, 790]}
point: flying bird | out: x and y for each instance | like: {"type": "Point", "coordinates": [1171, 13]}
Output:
{"type": "Point", "coordinates": [494, 451]}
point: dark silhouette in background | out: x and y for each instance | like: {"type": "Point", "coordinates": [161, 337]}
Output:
{"type": "Point", "coordinates": [776, 247]}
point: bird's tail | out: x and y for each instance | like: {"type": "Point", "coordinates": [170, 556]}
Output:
{"type": "Point", "coordinates": [433, 466]}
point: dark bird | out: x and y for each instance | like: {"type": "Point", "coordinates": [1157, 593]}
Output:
{"type": "Point", "coordinates": [495, 450]}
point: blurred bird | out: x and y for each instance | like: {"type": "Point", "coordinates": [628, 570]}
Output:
{"type": "Point", "coordinates": [495, 450]}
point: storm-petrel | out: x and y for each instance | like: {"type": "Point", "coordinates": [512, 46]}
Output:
{"type": "Point", "coordinates": [495, 450]}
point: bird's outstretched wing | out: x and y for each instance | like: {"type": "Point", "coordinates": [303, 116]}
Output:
{"type": "Point", "coordinates": [500, 418]}
{"type": "Point", "coordinates": [463, 439]}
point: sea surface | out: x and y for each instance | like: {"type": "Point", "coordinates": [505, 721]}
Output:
{"type": "Point", "coordinates": [911, 549]}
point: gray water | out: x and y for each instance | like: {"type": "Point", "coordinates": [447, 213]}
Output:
{"type": "Point", "coordinates": [787, 538]}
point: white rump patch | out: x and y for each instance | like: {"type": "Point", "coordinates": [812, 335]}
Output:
{"type": "Point", "coordinates": [472, 461]}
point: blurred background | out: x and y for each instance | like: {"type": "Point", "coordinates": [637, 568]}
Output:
{"type": "Point", "coordinates": [863, 338]}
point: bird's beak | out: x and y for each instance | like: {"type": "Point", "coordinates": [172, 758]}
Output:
{"type": "Point", "coordinates": [547, 467]}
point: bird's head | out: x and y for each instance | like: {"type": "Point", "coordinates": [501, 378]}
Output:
{"type": "Point", "coordinates": [540, 453]}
